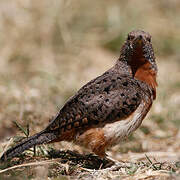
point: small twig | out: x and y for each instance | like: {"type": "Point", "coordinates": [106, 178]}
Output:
{"type": "Point", "coordinates": [30, 164]}
{"type": "Point", "coordinates": [21, 128]}
{"type": "Point", "coordinates": [88, 170]}
{"type": "Point", "coordinates": [6, 147]}
{"type": "Point", "coordinates": [151, 162]}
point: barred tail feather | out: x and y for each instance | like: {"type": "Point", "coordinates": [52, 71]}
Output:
{"type": "Point", "coordinates": [39, 138]}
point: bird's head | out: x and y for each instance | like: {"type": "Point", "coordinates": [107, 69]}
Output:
{"type": "Point", "coordinates": [138, 38]}
{"type": "Point", "coordinates": [138, 49]}
{"type": "Point", "coordinates": [138, 53]}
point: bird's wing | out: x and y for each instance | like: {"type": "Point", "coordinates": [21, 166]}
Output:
{"type": "Point", "coordinates": [107, 98]}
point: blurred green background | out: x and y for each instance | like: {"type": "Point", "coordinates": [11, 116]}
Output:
{"type": "Point", "coordinates": [49, 49]}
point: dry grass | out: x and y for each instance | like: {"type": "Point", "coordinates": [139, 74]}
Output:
{"type": "Point", "coordinates": [49, 49]}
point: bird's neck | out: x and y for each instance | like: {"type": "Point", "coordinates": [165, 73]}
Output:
{"type": "Point", "coordinates": [143, 71]}
{"type": "Point", "coordinates": [140, 69]}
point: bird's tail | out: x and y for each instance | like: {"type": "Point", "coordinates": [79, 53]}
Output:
{"type": "Point", "coordinates": [39, 138]}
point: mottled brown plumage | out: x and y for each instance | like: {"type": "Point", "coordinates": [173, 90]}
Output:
{"type": "Point", "coordinates": [108, 108]}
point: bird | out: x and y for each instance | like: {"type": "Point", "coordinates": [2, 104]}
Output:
{"type": "Point", "coordinates": [108, 108]}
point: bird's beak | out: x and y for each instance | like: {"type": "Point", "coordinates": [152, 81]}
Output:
{"type": "Point", "coordinates": [139, 40]}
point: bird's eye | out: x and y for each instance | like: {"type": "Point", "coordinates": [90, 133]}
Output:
{"type": "Point", "coordinates": [130, 37]}
{"type": "Point", "coordinates": [148, 39]}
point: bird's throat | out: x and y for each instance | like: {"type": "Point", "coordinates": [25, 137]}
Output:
{"type": "Point", "coordinates": [143, 71]}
